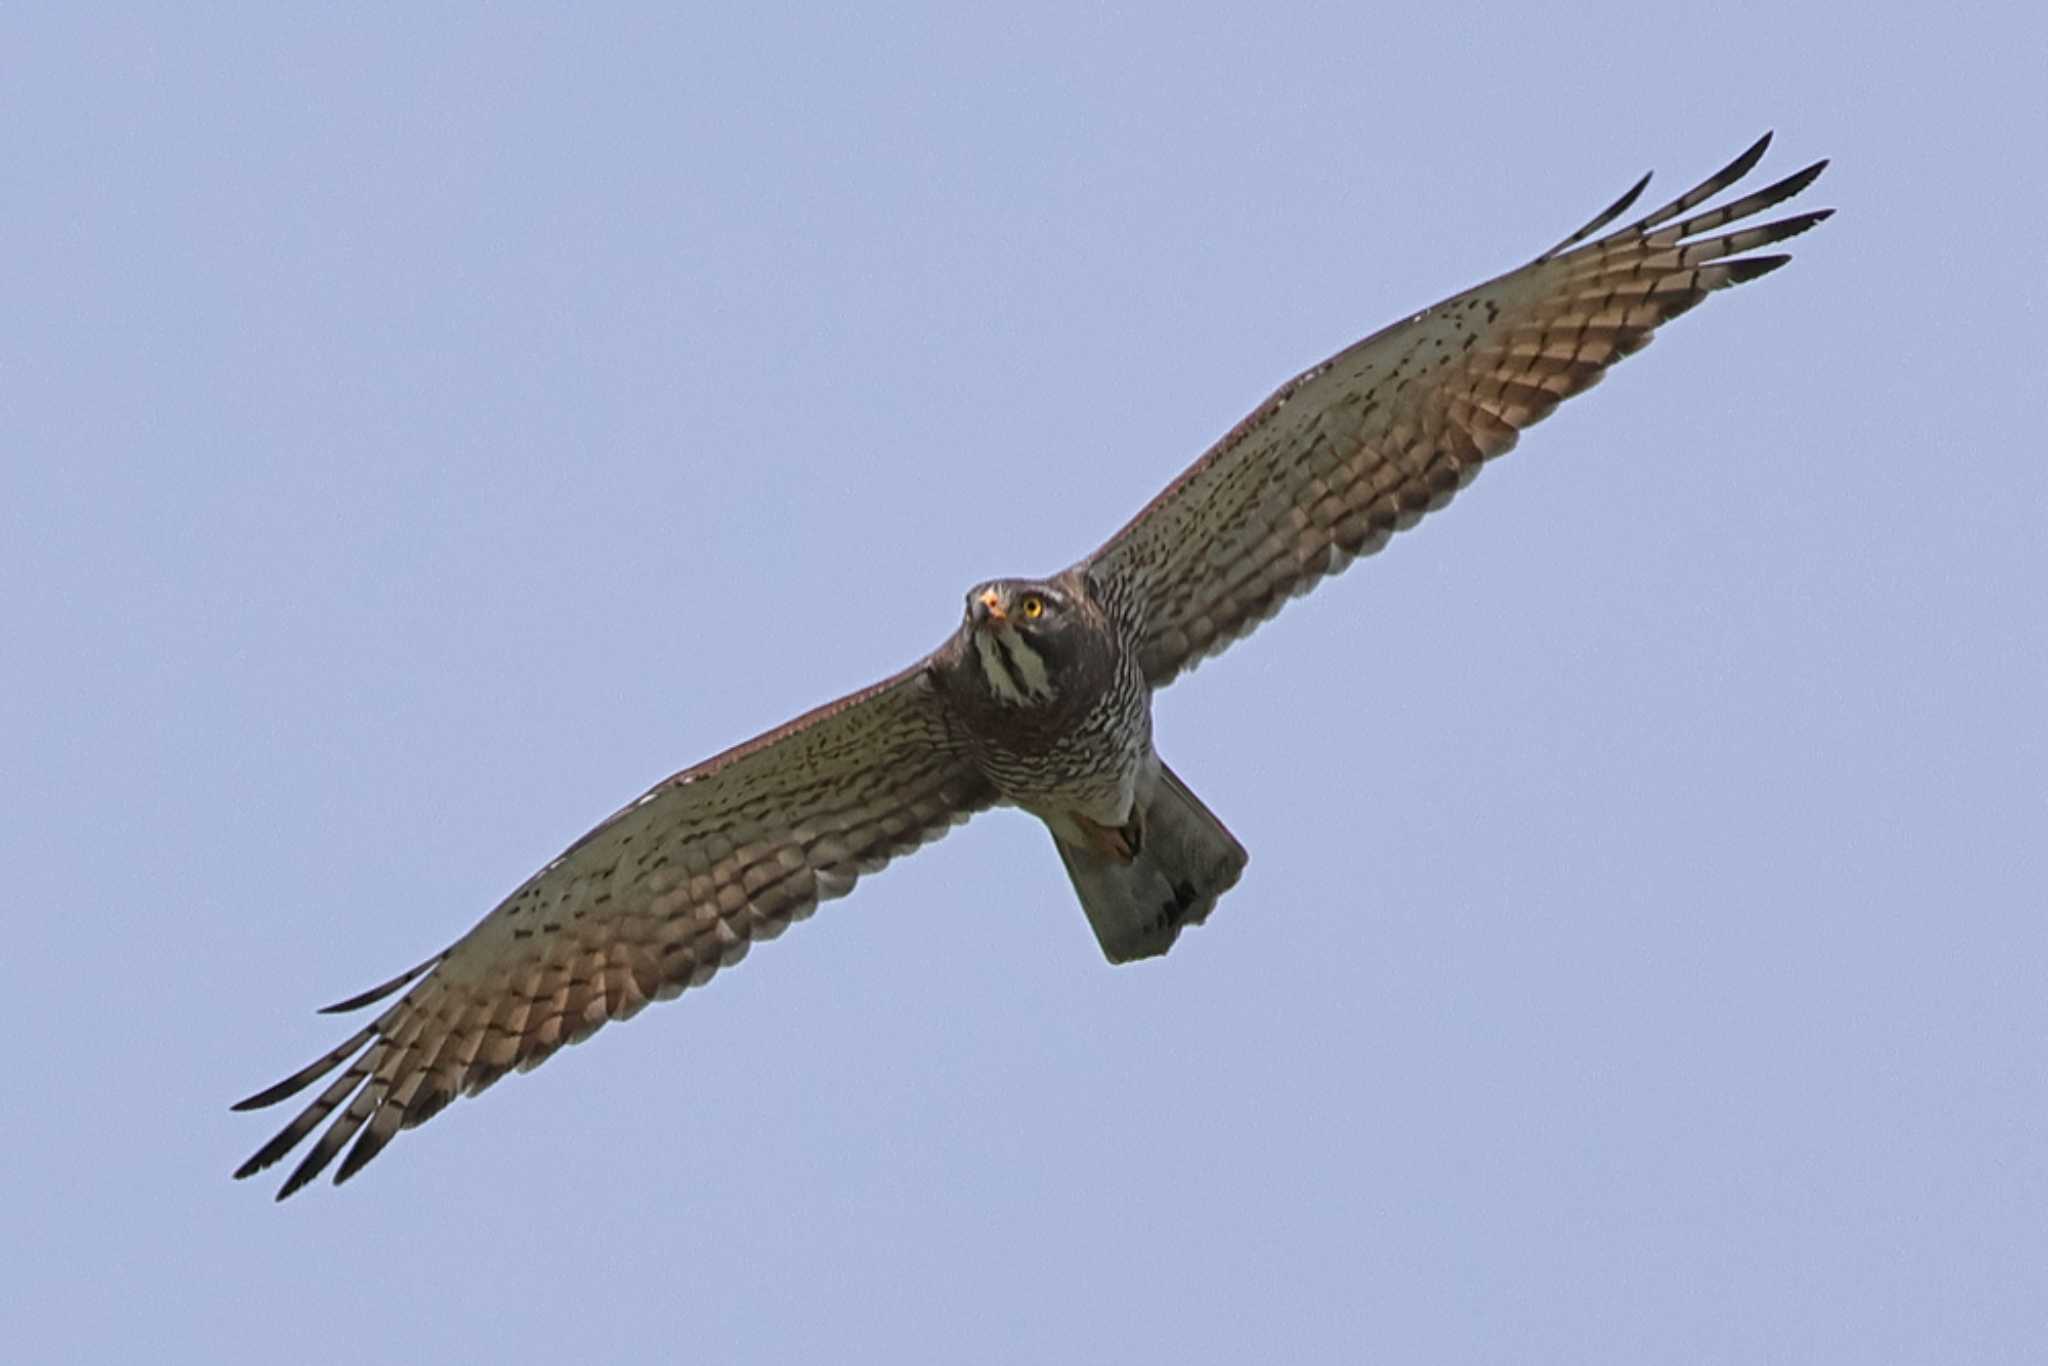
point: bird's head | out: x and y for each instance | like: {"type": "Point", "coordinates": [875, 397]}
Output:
{"type": "Point", "coordinates": [1022, 636]}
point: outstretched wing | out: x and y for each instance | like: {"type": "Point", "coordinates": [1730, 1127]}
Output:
{"type": "Point", "coordinates": [659, 897]}
{"type": "Point", "coordinates": [1363, 445]}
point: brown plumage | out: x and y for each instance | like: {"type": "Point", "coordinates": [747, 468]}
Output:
{"type": "Point", "coordinates": [1041, 699]}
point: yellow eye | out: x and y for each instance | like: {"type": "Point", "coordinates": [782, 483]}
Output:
{"type": "Point", "coordinates": [1033, 607]}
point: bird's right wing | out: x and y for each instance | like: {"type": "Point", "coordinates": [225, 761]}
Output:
{"type": "Point", "coordinates": [659, 897]}
{"type": "Point", "coordinates": [1361, 446]}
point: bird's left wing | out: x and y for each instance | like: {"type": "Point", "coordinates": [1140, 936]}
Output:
{"type": "Point", "coordinates": [1363, 445]}
{"type": "Point", "coordinates": [658, 898]}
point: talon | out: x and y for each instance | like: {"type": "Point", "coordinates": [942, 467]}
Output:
{"type": "Point", "coordinates": [1118, 842]}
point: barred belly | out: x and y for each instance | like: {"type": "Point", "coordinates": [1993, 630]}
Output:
{"type": "Point", "coordinates": [1092, 769]}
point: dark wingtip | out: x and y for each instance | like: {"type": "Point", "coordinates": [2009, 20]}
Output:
{"type": "Point", "coordinates": [302, 1174]}
{"type": "Point", "coordinates": [1810, 221]}
{"type": "Point", "coordinates": [269, 1153]}
{"type": "Point", "coordinates": [1632, 194]}
{"type": "Point", "coordinates": [379, 992]}
{"type": "Point", "coordinates": [1740, 272]}
{"type": "Point", "coordinates": [1742, 165]}
{"type": "Point", "coordinates": [367, 1145]}
{"type": "Point", "coordinates": [1603, 218]}
{"type": "Point", "coordinates": [1800, 179]}
{"type": "Point", "coordinates": [269, 1095]}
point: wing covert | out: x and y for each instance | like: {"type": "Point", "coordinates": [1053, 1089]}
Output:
{"type": "Point", "coordinates": [1344, 455]}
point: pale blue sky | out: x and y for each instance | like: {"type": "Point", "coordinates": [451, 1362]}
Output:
{"type": "Point", "coordinates": [421, 434]}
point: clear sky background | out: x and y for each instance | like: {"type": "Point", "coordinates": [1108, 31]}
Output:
{"type": "Point", "coordinates": [420, 434]}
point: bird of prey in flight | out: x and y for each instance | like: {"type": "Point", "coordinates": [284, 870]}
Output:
{"type": "Point", "coordinates": [1041, 698]}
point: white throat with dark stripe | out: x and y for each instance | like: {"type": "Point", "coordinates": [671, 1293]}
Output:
{"type": "Point", "coordinates": [1015, 672]}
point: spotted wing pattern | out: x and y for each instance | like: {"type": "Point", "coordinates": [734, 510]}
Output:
{"type": "Point", "coordinates": [1363, 445]}
{"type": "Point", "coordinates": [658, 898]}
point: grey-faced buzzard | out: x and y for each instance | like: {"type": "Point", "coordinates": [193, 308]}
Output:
{"type": "Point", "coordinates": [1041, 699]}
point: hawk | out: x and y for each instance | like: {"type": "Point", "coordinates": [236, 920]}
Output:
{"type": "Point", "coordinates": [1041, 699]}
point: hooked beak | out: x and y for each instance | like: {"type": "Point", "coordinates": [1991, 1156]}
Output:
{"type": "Point", "coordinates": [989, 608]}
